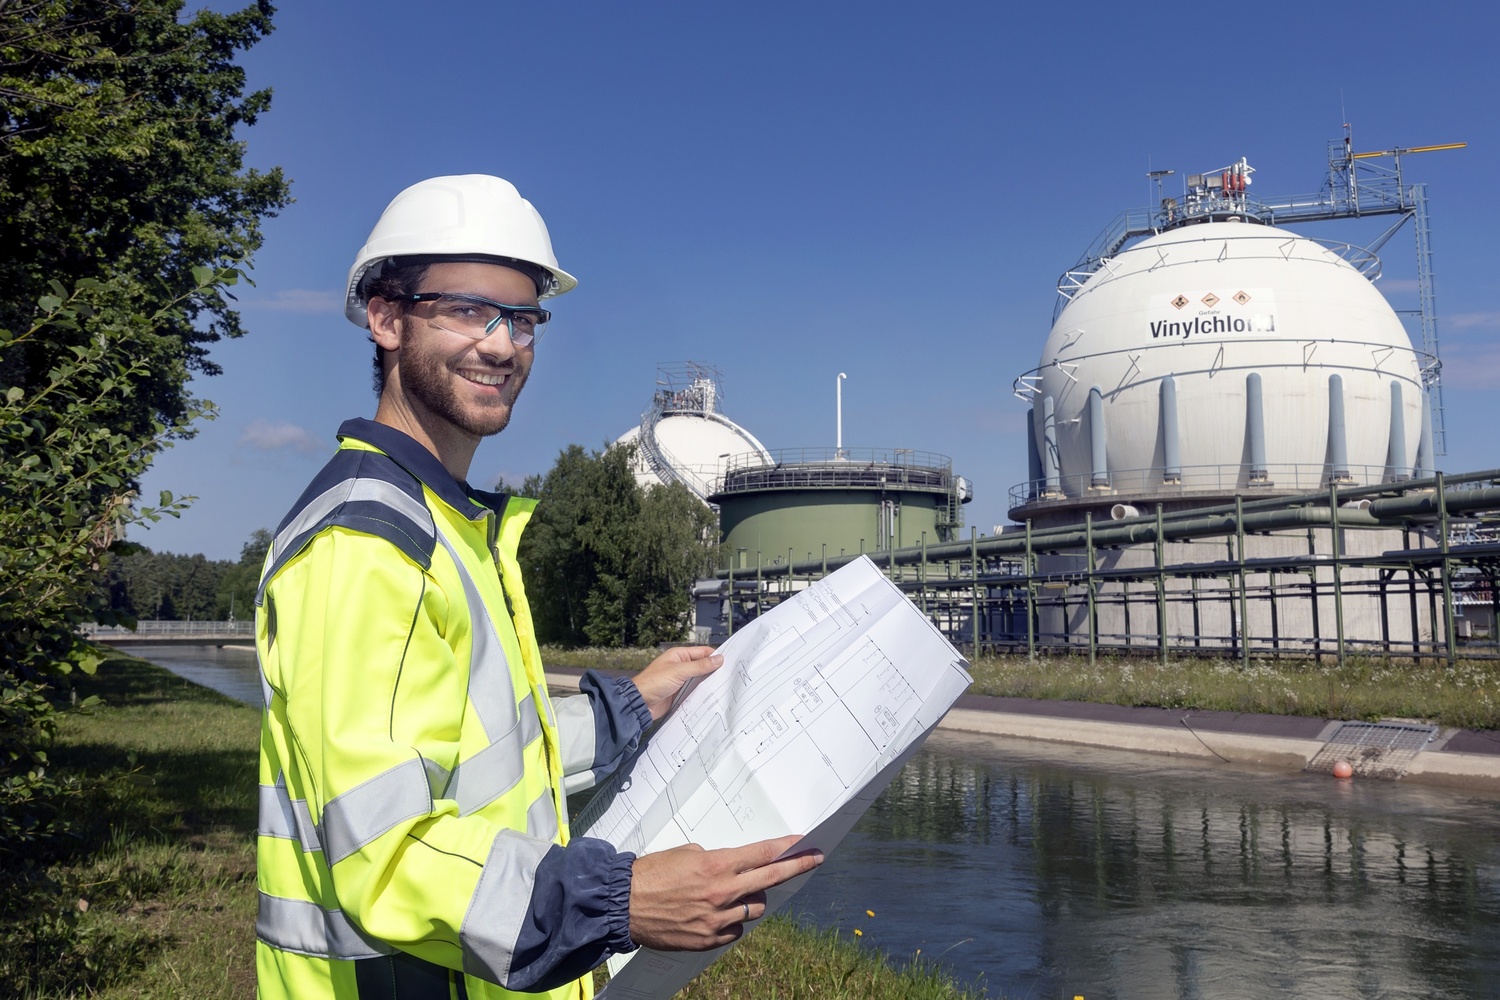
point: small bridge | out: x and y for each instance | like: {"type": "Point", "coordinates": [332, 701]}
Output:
{"type": "Point", "coordinates": [166, 633]}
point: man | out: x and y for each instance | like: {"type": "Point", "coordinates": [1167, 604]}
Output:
{"type": "Point", "coordinates": [413, 838]}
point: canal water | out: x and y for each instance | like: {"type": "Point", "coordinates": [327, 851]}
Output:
{"type": "Point", "coordinates": [1039, 871]}
{"type": "Point", "coordinates": [229, 670]}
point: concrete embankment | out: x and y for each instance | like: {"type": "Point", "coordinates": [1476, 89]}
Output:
{"type": "Point", "coordinates": [1456, 758]}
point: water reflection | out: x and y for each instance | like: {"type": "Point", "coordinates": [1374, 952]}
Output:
{"type": "Point", "coordinates": [1052, 871]}
{"type": "Point", "coordinates": [228, 670]}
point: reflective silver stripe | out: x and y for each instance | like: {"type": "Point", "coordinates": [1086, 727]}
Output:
{"type": "Point", "coordinates": [372, 808]}
{"type": "Point", "coordinates": [490, 689]}
{"type": "Point", "coordinates": [305, 928]}
{"type": "Point", "coordinates": [498, 907]}
{"type": "Point", "coordinates": [541, 817]}
{"type": "Point", "coordinates": [579, 781]}
{"type": "Point", "coordinates": [276, 819]}
{"type": "Point", "coordinates": [266, 691]}
{"type": "Point", "coordinates": [307, 830]}
{"type": "Point", "coordinates": [575, 731]}
{"type": "Point", "coordinates": [437, 778]}
{"type": "Point", "coordinates": [497, 768]}
{"type": "Point", "coordinates": [348, 491]}
{"type": "Point", "coordinates": [286, 818]}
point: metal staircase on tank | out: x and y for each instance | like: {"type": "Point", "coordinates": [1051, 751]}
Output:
{"type": "Point", "coordinates": [651, 449]}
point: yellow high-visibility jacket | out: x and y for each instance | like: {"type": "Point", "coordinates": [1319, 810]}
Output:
{"type": "Point", "coordinates": [413, 837]}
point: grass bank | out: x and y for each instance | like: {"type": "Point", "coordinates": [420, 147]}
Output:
{"type": "Point", "coordinates": [1466, 695]}
{"type": "Point", "coordinates": [153, 895]}
{"type": "Point", "coordinates": [786, 960]}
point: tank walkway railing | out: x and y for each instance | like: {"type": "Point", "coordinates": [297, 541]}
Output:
{"type": "Point", "coordinates": [1192, 480]}
{"type": "Point", "coordinates": [1384, 357]}
{"type": "Point", "coordinates": [1381, 193]}
{"type": "Point", "coordinates": [1107, 249]}
{"type": "Point", "coordinates": [827, 468]}
{"type": "Point", "coordinates": [1412, 592]}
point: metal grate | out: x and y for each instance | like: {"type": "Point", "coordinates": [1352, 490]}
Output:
{"type": "Point", "coordinates": [1373, 749]}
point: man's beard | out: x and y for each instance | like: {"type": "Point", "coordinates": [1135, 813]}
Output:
{"type": "Point", "coordinates": [428, 382]}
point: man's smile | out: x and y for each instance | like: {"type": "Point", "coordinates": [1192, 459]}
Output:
{"type": "Point", "coordinates": [496, 379]}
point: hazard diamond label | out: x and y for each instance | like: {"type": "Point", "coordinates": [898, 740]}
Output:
{"type": "Point", "coordinates": [1240, 297]}
{"type": "Point", "coordinates": [1180, 301]}
{"type": "Point", "coordinates": [1209, 299]}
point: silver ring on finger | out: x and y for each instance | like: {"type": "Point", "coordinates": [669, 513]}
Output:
{"type": "Point", "coordinates": [747, 910]}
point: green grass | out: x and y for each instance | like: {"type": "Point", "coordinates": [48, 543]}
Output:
{"type": "Point", "coordinates": [596, 658]}
{"type": "Point", "coordinates": [785, 960]}
{"type": "Point", "coordinates": [1466, 695]}
{"type": "Point", "coordinates": [153, 895]}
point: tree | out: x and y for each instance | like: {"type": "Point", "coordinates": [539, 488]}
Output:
{"type": "Point", "coordinates": [119, 162]}
{"type": "Point", "coordinates": [146, 584]}
{"type": "Point", "coordinates": [125, 215]}
{"type": "Point", "coordinates": [608, 563]}
{"type": "Point", "coordinates": [674, 542]}
{"type": "Point", "coordinates": [576, 543]}
{"type": "Point", "coordinates": [236, 597]}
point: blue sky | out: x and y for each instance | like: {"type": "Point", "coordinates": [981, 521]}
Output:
{"type": "Point", "coordinates": [791, 190]}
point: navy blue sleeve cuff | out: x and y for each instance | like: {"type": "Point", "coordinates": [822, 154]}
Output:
{"type": "Point", "coordinates": [620, 717]}
{"type": "Point", "coordinates": [579, 915]}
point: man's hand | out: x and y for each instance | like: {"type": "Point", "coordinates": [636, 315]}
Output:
{"type": "Point", "coordinates": [689, 899]}
{"type": "Point", "coordinates": [665, 676]}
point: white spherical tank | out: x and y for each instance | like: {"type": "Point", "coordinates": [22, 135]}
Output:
{"type": "Point", "coordinates": [1221, 357]}
{"type": "Point", "coordinates": [683, 437]}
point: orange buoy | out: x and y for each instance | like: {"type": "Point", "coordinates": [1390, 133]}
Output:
{"type": "Point", "coordinates": [1342, 769]}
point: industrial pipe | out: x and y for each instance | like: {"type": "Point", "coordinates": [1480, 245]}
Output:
{"type": "Point", "coordinates": [1171, 462]}
{"type": "Point", "coordinates": [838, 437]}
{"type": "Point", "coordinates": [1124, 533]}
{"type": "Point", "coordinates": [1049, 447]}
{"type": "Point", "coordinates": [1262, 516]}
{"type": "Point", "coordinates": [1395, 451]}
{"type": "Point", "coordinates": [1121, 511]}
{"type": "Point", "coordinates": [1426, 503]}
{"type": "Point", "coordinates": [1255, 427]}
{"type": "Point", "coordinates": [1033, 456]}
{"type": "Point", "coordinates": [1338, 442]}
{"type": "Point", "coordinates": [1425, 463]}
{"type": "Point", "coordinates": [1097, 450]}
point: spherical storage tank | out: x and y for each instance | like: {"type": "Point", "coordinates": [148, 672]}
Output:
{"type": "Point", "coordinates": [683, 436]}
{"type": "Point", "coordinates": [1222, 357]}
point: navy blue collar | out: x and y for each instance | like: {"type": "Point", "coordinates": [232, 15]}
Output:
{"type": "Point", "coordinates": [424, 465]}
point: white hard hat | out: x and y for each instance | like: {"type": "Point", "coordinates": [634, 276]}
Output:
{"type": "Point", "coordinates": [466, 215]}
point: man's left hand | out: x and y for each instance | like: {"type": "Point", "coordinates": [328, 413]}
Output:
{"type": "Point", "coordinates": [665, 676]}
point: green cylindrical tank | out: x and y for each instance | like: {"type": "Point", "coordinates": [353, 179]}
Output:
{"type": "Point", "coordinates": [811, 502]}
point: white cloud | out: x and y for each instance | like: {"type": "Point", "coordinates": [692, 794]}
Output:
{"type": "Point", "coordinates": [278, 435]}
{"type": "Point", "coordinates": [298, 300]}
{"type": "Point", "coordinates": [1471, 366]}
{"type": "Point", "coordinates": [1471, 321]}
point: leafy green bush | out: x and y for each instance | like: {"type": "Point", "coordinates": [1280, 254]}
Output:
{"type": "Point", "coordinates": [66, 496]}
